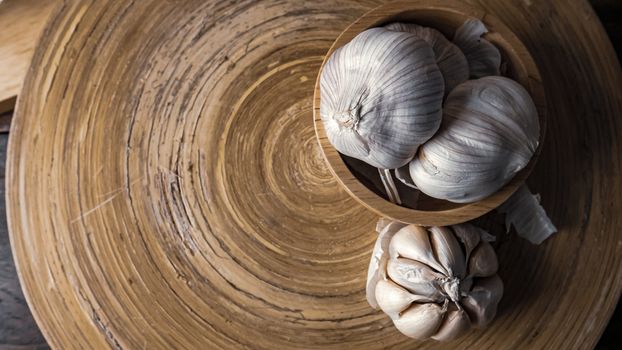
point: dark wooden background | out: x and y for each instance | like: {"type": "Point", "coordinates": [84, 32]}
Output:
{"type": "Point", "coordinates": [19, 331]}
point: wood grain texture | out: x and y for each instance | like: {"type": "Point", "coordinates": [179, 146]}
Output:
{"type": "Point", "coordinates": [446, 16]}
{"type": "Point", "coordinates": [21, 22]}
{"type": "Point", "coordinates": [166, 190]}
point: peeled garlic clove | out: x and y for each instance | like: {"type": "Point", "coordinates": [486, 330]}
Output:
{"type": "Point", "coordinates": [448, 251]}
{"type": "Point", "coordinates": [380, 255]}
{"type": "Point", "coordinates": [524, 212]}
{"type": "Point", "coordinates": [416, 277]}
{"type": "Point", "coordinates": [394, 299]}
{"type": "Point", "coordinates": [483, 262]}
{"type": "Point", "coordinates": [483, 57]}
{"type": "Point", "coordinates": [481, 303]}
{"type": "Point", "coordinates": [490, 132]}
{"type": "Point", "coordinates": [381, 97]}
{"type": "Point", "coordinates": [413, 242]}
{"type": "Point", "coordinates": [420, 321]}
{"type": "Point", "coordinates": [450, 59]}
{"type": "Point", "coordinates": [455, 325]}
{"type": "Point", "coordinates": [403, 174]}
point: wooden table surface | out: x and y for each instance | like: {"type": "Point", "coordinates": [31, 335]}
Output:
{"type": "Point", "coordinates": [21, 22]}
{"type": "Point", "coordinates": [116, 262]}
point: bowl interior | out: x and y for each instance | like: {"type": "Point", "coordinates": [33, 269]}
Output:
{"type": "Point", "coordinates": [362, 181]}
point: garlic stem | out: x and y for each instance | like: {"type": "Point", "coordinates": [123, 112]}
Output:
{"type": "Point", "coordinates": [389, 185]}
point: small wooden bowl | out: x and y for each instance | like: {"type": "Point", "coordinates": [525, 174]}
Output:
{"type": "Point", "coordinates": [446, 16]}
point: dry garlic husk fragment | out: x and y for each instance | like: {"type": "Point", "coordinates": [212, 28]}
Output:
{"type": "Point", "coordinates": [381, 97]}
{"type": "Point", "coordinates": [523, 211]}
{"type": "Point", "coordinates": [490, 131]}
{"type": "Point", "coordinates": [450, 59]}
{"type": "Point", "coordinates": [434, 282]}
{"type": "Point", "coordinates": [483, 57]}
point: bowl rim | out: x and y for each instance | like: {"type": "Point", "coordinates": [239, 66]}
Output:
{"type": "Point", "coordinates": [464, 212]}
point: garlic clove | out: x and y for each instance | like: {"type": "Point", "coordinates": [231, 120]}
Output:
{"type": "Point", "coordinates": [490, 132]}
{"type": "Point", "coordinates": [483, 262]}
{"type": "Point", "coordinates": [481, 303]}
{"type": "Point", "coordinates": [450, 59]}
{"type": "Point", "coordinates": [413, 242]}
{"type": "Point", "coordinates": [394, 299]}
{"type": "Point", "coordinates": [420, 321]}
{"type": "Point", "coordinates": [380, 255]}
{"type": "Point", "coordinates": [448, 251]}
{"type": "Point", "coordinates": [416, 277]}
{"type": "Point", "coordinates": [466, 285]}
{"type": "Point", "coordinates": [455, 325]}
{"type": "Point", "coordinates": [483, 57]}
{"type": "Point", "coordinates": [403, 175]}
{"type": "Point", "coordinates": [468, 235]}
{"type": "Point", "coordinates": [381, 97]}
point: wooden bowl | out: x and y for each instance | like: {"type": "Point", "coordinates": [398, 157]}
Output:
{"type": "Point", "coordinates": [446, 16]}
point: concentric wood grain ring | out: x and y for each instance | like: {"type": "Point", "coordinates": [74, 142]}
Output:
{"type": "Point", "coordinates": [165, 188]}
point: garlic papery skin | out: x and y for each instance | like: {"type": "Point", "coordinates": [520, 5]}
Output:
{"type": "Point", "coordinates": [490, 131]}
{"type": "Point", "coordinates": [403, 174]}
{"type": "Point", "coordinates": [450, 59]}
{"type": "Point", "coordinates": [430, 286]}
{"type": "Point", "coordinates": [381, 97]}
{"type": "Point", "coordinates": [524, 212]}
{"type": "Point", "coordinates": [484, 58]}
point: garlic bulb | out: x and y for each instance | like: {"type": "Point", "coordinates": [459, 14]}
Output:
{"type": "Point", "coordinates": [381, 97]}
{"type": "Point", "coordinates": [450, 59]}
{"type": "Point", "coordinates": [434, 283]}
{"type": "Point", "coordinates": [483, 57]}
{"type": "Point", "coordinates": [490, 131]}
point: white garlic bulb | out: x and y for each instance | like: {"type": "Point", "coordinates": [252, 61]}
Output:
{"type": "Point", "coordinates": [490, 131]}
{"type": "Point", "coordinates": [483, 57]}
{"type": "Point", "coordinates": [450, 59]}
{"type": "Point", "coordinates": [381, 97]}
{"type": "Point", "coordinates": [434, 283]}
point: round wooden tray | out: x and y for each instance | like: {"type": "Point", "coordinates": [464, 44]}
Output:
{"type": "Point", "coordinates": [165, 188]}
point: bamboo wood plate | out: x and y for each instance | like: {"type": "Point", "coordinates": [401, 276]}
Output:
{"type": "Point", "coordinates": [165, 188]}
{"type": "Point", "coordinates": [446, 16]}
